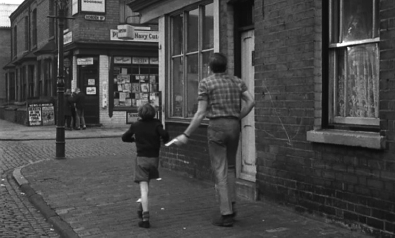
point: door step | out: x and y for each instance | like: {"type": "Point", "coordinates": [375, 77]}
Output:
{"type": "Point", "coordinates": [246, 190]}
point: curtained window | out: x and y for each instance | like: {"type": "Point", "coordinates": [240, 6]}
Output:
{"type": "Point", "coordinates": [354, 62]}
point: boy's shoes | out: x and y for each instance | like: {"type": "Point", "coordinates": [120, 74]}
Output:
{"type": "Point", "coordinates": [224, 220]}
{"type": "Point", "coordinates": [84, 128]}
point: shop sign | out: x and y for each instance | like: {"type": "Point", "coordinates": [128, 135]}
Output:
{"type": "Point", "coordinates": [68, 38]}
{"type": "Point", "coordinates": [95, 18]}
{"type": "Point", "coordinates": [122, 60]}
{"type": "Point", "coordinates": [153, 61]}
{"type": "Point", "coordinates": [139, 36]}
{"type": "Point", "coordinates": [85, 61]}
{"type": "Point", "coordinates": [93, 6]}
{"type": "Point", "coordinates": [140, 60]}
{"type": "Point", "coordinates": [131, 117]}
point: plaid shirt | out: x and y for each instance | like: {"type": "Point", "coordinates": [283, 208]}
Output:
{"type": "Point", "coordinates": [223, 95]}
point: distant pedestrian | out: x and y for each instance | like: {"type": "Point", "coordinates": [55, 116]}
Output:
{"type": "Point", "coordinates": [68, 107]}
{"type": "Point", "coordinates": [146, 133]}
{"type": "Point", "coordinates": [73, 110]}
{"type": "Point", "coordinates": [80, 104]}
{"type": "Point", "coordinates": [220, 99]}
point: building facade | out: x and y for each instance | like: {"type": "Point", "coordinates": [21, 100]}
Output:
{"type": "Point", "coordinates": [5, 45]}
{"type": "Point", "coordinates": [117, 75]}
{"type": "Point", "coordinates": [321, 137]}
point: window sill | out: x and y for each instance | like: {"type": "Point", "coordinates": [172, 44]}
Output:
{"type": "Point", "coordinates": [371, 140]}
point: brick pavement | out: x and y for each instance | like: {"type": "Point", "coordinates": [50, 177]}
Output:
{"type": "Point", "coordinates": [96, 197]}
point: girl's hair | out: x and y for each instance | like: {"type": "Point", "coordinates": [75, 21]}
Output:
{"type": "Point", "coordinates": [218, 63]}
{"type": "Point", "coordinates": [146, 111]}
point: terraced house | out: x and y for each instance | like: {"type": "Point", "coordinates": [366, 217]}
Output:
{"type": "Point", "coordinates": [321, 137]}
{"type": "Point", "coordinates": [111, 71]}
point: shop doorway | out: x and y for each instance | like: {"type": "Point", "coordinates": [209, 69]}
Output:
{"type": "Point", "coordinates": [246, 165]}
{"type": "Point", "coordinates": [89, 85]}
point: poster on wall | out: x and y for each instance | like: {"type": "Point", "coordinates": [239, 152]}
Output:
{"type": "Point", "coordinates": [93, 6]}
{"type": "Point", "coordinates": [90, 90]}
{"type": "Point", "coordinates": [34, 113]}
{"type": "Point", "coordinates": [41, 114]}
{"type": "Point", "coordinates": [48, 114]}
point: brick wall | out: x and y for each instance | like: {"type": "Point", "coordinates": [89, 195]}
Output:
{"type": "Point", "coordinates": [83, 29]}
{"type": "Point", "coordinates": [350, 185]}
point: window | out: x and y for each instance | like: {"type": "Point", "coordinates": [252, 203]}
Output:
{"type": "Point", "coordinates": [12, 87]}
{"type": "Point", "coordinates": [34, 28]}
{"type": "Point", "coordinates": [191, 44]}
{"type": "Point", "coordinates": [354, 62]}
{"type": "Point", "coordinates": [47, 78]}
{"type": "Point", "coordinates": [135, 82]}
{"type": "Point", "coordinates": [30, 81]}
{"type": "Point", "coordinates": [26, 33]}
{"type": "Point", "coordinates": [15, 42]}
{"type": "Point", "coordinates": [23, 83]}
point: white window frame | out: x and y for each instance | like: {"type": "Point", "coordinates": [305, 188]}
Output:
{"type": "Point", "coordinates": [333, 49]}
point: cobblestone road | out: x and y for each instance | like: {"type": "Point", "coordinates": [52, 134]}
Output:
{"type": "Point", "coordinates": [18, 218]}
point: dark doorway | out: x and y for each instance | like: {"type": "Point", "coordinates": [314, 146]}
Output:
{"type": "Point", "coordinates": [89, 85]}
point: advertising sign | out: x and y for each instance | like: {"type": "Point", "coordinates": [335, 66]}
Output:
{"type": "Point", "coordinates": [139, 36]}
{"type": "Point", "coordinates": [41, 114]}
{"type": "Point", "coordinates": [93, 6]}
{"type": "Point", "coordinates": [34, 112]}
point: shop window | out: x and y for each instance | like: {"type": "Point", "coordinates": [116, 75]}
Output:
{"type": "Point", "coordinates": [191, 44]}
{"type": "Point", "coordinates": [354, 62]}
{"type": "Point", "coordinates": [135, 82]}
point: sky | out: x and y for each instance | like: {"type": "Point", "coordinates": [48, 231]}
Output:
{"type": "Point", "coordinates": [11, 1]}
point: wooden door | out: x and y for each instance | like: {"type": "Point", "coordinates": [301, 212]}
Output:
{"type": "Point", "coordinates": [247, 149]}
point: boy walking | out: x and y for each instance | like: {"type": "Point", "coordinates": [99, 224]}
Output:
{"type": "Point", "coordinates": [146, 133]}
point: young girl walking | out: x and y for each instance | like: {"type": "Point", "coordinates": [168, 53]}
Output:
{"type": "Point", "coordinates": [146, 133]}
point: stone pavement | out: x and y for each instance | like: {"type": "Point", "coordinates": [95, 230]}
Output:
{"type": "Point", "coordinates": [95, 197]}
{"type": "Point", "coordinates": [12, 131]}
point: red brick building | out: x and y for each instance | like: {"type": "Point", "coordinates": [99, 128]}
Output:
{"type": "Point", "coordinates": [321, 137]}
{"type": "Point", "coordinates": [116, 74]}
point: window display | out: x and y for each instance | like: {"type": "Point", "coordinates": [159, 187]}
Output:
{"type": "Point", "coordinates": [135, 82]}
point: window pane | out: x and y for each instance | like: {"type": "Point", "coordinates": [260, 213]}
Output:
{"type": "Point", "coordinates": [335, 21]}
{"type": "Point", "coordinates": [208, 30]}
{"type": "Point", "coordinates": [358, 20]}
{"type": "Point", "coordinates": [362, 81]}
{"type": "Point", "coordinates": [359, 96]}
{"type": "Point", "coordinates": [340, 96]}
{"type": "Point", "coordinates": [193, 81]}
{"type": "Point", "coordinates": [177, 87]}
{"type": "Point", "coordinates": [176, 30]}
{"type": "Point", "coordinates": [193, 30]}
{"type": "Point", "coordinates": [206, 58]}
